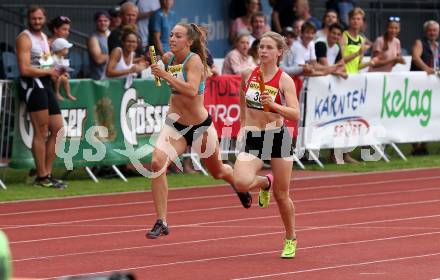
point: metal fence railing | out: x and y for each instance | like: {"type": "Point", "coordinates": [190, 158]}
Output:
{"type": "Point", "coordinates": [6, 123]}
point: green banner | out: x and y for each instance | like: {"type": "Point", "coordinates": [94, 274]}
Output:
{"type": "Point", "coordinates": [107, 124]}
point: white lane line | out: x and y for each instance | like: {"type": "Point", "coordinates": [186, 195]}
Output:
{"type": "Point", "coordinates": [341, 266]}
{"type": "Point", "coordinates": [309, 228]}
{"type": "Point", "coordinates": [218, 208]}
{"type": "Point", "coordinates": [248, 255]}
{"type": "Point", "coordinates": [323, 176]}
{"type": "Point", "coordinates": [147, 246]}
{"type": "Point", "coordinates": [227, 195]}
{"type": "Point", "coordinates": [228, 238]}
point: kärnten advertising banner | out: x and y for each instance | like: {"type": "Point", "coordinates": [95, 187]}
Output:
{"type": "Point", "coordinates": [371, 109]}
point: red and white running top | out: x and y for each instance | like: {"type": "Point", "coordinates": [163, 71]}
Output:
{"type": "Point", "coordinates": [272, 87]}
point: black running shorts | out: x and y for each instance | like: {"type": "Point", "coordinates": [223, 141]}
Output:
{"type": "Point", "coordinates": [37, 94]}
{"type": "Point", "coordinates": [267, 144]}
{"type": "Point", "coordinates": [190, 132]}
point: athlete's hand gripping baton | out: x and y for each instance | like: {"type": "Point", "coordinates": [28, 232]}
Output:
{"type": "Point", "coordinates": [153, 61]}
{"type": "Point", "coordinates": [260, 81]}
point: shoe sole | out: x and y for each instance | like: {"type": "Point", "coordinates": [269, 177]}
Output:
{"type": "Point", "coordinates": [148, 236]}
{"type": "Point", "coordinates": [261, 205]}
{"type": "Point", "coordinates": [287, 257]}
{"type": "Point", "coordinates": [246, 202]}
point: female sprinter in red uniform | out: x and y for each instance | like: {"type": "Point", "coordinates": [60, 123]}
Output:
{"type": "Point", "coordinates": [265, 137]}
{"type": "Point", "coordinates": [188, 122]}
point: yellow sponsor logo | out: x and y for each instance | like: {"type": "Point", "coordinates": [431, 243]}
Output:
{"type": "Point", "coordinates": [175, 68]}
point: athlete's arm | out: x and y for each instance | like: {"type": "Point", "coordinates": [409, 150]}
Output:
{"type": "Point", "coordinates": [24, 46]}
{"type": "Point", "coordinates": [291, 110]}
{"type": "Point", "coordinates": [194, 72]}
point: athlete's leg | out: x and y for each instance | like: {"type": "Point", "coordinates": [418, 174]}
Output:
{"type": "Point", "coordinates": [282, 170]}
{"type": "Point", "coordinates": [55, 126]}
{"type": "Point", "coordinates": [169, 145]}
{"type": "Point", "coordinates": [40, 123]}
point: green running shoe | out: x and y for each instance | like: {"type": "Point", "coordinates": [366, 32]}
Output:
{"type": "Point", "coordinates": [264, 194]}
{"type": "Point", "coordinates": [289, 249]}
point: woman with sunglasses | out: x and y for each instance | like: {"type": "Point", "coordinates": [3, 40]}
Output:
{"type": "Point", "coordinates": [267, 98]}
{"type": "Point", "coordinates": [386, 48]}
{"type": "Point", "coordinates": [188, 123]}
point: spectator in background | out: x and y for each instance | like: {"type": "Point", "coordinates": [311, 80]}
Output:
{"type": "Point", "coordinates": [283, 15]}
{"type": "Point", "coordinates": [288, 56]}
{"type": "Point", "coordinates": [212, 68]}
{"type": "Point", "coordinates": [238, 59]}
{"type": "Point", "coordinates": [36, 91]}
{"type": "Point", "coordinates": [302, 11]}
{"type": "Point", "coordinates": [146, 10]}
{"type": "Point", "coordinates": [297, 25]}
{"type": "Point", "coordinates": [115, 18]}
{"type": "Point", "coordinates": [342, 7]}
{"type": "Point", "coordinates": [129, 14]}
{"type": "Point", "coordinates": [122, 63]}
{"type": "Point", "coordinates": [330, 17]}
{"type": "Point", "coordinates": [59, 27]}
{"type": "Point", "coordinates": [97, 45]}
{"type": "Point", "coordinates": [161, 23]}
{"type": "Point", "coordinates": [303, 57]}
{"type": "Point", "coordinates": [259, 26]}
{"type": "Point", "coordinates": [426, 57]}
{"type": "Point", "coordinates": [243, 24]}
{"type": "Point", "coordinates": [253, 52]}
{"type": "Point", "coordinates": [328, 51]}
{"type": "Point", "coordinates": [352, 43]}
{"type": "Point", "coordinates": [237, 8]}
{"type": "Point", "coordinates": [386, 48]}
{"type": "Point", "coordinates": [60, 49]}
{"type": "Point", "coordinates": [426, 51]}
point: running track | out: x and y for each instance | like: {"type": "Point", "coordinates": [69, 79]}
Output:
{"type": "Point", "coordinates": [363, 226]}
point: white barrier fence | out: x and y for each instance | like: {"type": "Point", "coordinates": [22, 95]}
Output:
{"type": "Point", "coordinates": [6, 123]}
{"type": "Point", "coordinates": [370, 109]}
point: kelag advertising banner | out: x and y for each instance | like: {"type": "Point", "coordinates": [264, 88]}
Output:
{"type": "Point", "coordinates": [371, 109]}
{"type": "Point", "coordinates": [102, 125]}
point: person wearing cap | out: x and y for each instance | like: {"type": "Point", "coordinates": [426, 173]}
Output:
{"type": "Point", "coordinates": [60, 49]}
{"type": "Point", "coordinates": [115, 18]}
{"type": "Point", "coordinates": [97, 45]}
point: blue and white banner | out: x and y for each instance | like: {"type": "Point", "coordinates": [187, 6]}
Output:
{"type": "Point", "coordinates": [372, 109]}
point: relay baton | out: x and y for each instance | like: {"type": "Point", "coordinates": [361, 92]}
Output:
{"type": "Point", "coordinates": [262, 87]}
{"type": "Point", "coordinates": [153, 61]}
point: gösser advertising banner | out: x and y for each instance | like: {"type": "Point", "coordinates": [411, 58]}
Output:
{"type": "Point", "coordinates": [371, 109]}
{"type": "Point", "coordinates": [106, 125]}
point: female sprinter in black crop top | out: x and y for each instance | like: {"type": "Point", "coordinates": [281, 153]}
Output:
{"type": "Point", "coordinates": [188, 122]}
{"type": "Point", "coordinates": [266, 138]}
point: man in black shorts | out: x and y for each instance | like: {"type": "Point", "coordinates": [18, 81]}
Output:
{"type": "Point", "coordinates": [36, 91]}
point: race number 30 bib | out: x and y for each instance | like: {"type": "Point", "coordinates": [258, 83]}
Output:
{"type": "Point", "coordinates": [253, 95]}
